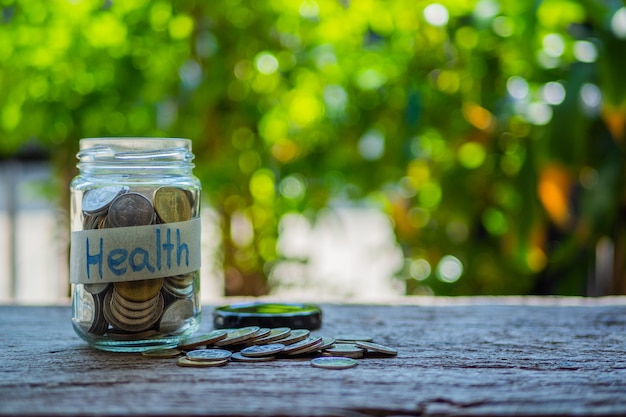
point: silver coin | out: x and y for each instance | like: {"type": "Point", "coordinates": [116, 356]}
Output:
{"type": "Point", "coordinates": [208, 355]}
{"type": "Point", "coordinates": [98, 200]}
{"type": "Point", "coordinates": [130, 209]}
{"type": "Point", "coordinates": [96, 288]}
{"type": "Point", "coordinates": [181, 281]}
{"type": "Point", "coordinates": [262, 350]}
{"type": "Point", "coordinates": [88, 311]}
{"type": "Point", "coordinates": [238, 357]}
{"type": "Point", "coordinates": [90, 222]}
{"type": "Point", "coordinates": [351, 338]}
{"type": "Point", "coordinates": [175, 315]}
{"type": "Point", "coordinates": [345, 350]}
{"type": "Point", "coordinates": [331, 362]}
{"type": "Point", "coordinates": [178, 292]}
{"type": "Point", "coordinates": [92, 319]}
{"type": "Point", "coordinates": [99, 325]}
{"type": "Point", "coordinates": [377, 348]}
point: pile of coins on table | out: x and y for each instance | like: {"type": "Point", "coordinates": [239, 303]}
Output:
{"type": "Point", "coordinates": [255, 344]}
{"type": "Point", "coordinates": [132, 310]}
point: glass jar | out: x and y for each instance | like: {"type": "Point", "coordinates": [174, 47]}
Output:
{"type": "Point", "coordinates": [135, 243]}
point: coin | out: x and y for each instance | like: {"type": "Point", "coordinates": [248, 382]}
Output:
{"type": "Point", "coordinates": [175, 314]}
{"type": "Point", "coordinates": [239, 357]}
{"type": "Point", "coordinates": [99, 325]}
{"type": "Point", "coordinates": [98, 200]}
{"type": "Point", "coordinates": [96, 288]}
{"type": "Point", "coordinates": [315, 347]}
{"type": "Point", "coordinates": [327, 342]}
{"type": "Point", "coordinates": [262, 350]}
{"type": "Point", "coordinates": [122, 313]}
{"type": "Point", "coordinates": [171, 204]}
{"type": "Point", "coordinates": [298, 346]}
{"type": "Point", "coordinates": [181, 281]}
{"type": "Point", "coordinates": [295, 336]}
{"type": "Point", "coordinates": [351, 338]}
{"type": "Point", "coordinates": [345, 350]}
{"type": "Point", "coordinates": [90, 222]}
{"type": "Point", "coordinates": [120, 322]}
{"type": "Point", "coordinates": [176, 292]}
{"type": "Point", "coordinates": [263, 332]}
{"type": "Point", "coordinates": [141, 290]}
{"type": "Point", "coordinates": [377, 348]}
{"type": "Point", "coordinates": [274, 335]}
{"type": "Point", "coordinates": [203, 339]}
{"type": "Point", "coordinates": [183, 361]}
{"type": "Point", "coordinates": [238, 336]}
{"type": "Point", "coordinates": [130, 209]}
{"type": "Point", "coordinates": [330, 362]}
{"type": "Point", "coordinates": [208, 355]}
{"type": "Point", "coordinates": [117, 334]}
{"type": "Point", "coordinates": [133, 305]}
{"type": "Point", "coordinates": [161, 353]}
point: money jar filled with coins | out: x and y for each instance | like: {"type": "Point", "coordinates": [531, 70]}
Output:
{"type": "Point", "coordinates": [135, 243]}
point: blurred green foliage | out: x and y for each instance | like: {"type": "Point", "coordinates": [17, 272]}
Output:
{"type": "Point", "coordinates": [491, 132]}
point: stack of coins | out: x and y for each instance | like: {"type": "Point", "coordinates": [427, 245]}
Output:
{"type": "Point", "coordinates": [254, 344]}
{"type": "Point", "coordinates": [129, 309]}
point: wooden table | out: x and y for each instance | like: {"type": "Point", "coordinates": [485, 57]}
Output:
{"type": "Point", "coordinates": [498, 357]}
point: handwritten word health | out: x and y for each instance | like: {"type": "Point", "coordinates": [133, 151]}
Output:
{"type": "Point", "coordinates": [138, 252]}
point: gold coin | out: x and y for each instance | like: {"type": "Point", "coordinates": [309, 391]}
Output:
{"type": "Point", "coordinates": [298, 347]}
{"type": "Point", "coordinates": [327, 342]}
{"type": "Point", "coordinates": [183, 361]}
{"type": "Point", "coordinates": [172, 204]}
{"type": "Point", "coordinates": [203, 339]}
{"type": "Point", "coordinates": [120, 322]}
{"type": "Point", "coordinates": [162, 353]}
{"type": "Point", "coordinates": [117, 334]}
{"type": "Point", "coordinates": [295, 336]}
{"type": "Point", "coordinates": [239, 335]}
{"type": "Point", "coordinates": [274, 335]}
{"type": "Point", "coordinates": [264, 331]}
{"type": "Point", "coordinates": [175, 315]}
{"type": "Point", "coordinates": [142, 290]}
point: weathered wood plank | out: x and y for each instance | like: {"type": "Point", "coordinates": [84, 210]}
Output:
{"type": "Point", "coordinates": [471, 359]}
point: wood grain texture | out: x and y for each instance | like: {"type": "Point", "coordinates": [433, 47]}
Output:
{"type": "Point", "coordinates": [498, 359]}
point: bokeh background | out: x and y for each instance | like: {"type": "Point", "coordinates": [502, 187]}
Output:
{"type": "Point", "coordinates": [487, 136]}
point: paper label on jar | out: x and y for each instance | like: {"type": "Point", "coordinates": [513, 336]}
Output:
{"type": "Point", "coordinates": [134, 253]}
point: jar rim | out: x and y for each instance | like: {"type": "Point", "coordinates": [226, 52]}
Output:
{"type": "Point", "coordinates": [135, 143]}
